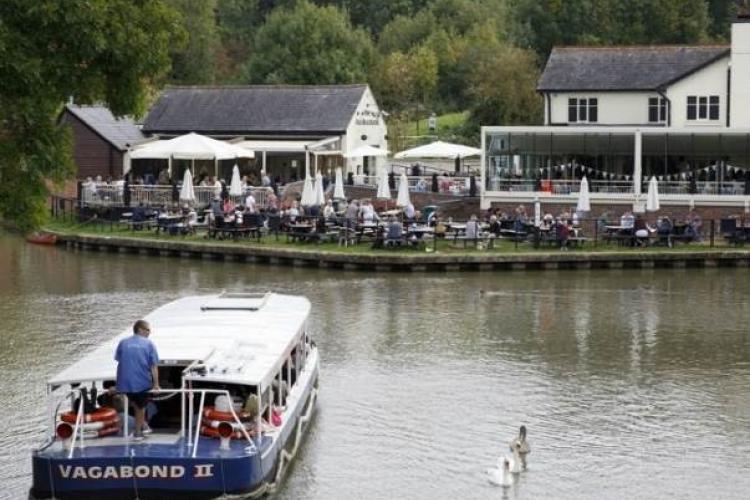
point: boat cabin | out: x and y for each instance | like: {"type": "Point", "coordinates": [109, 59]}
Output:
{"type": "Point", "coordinates": [232, 349]}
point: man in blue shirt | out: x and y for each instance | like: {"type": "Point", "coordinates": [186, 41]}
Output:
{"type": "Point", "coordinates": [137, 374]}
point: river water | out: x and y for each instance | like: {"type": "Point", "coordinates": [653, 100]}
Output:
{"type": "Point", "coordinates": [632, 383]}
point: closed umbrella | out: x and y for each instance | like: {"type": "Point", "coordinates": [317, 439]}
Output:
{"type": "Point", "coordinates": [235, 187]}
{"type": "Point", "coordinates": [338, 189]}
{"type": "Point", "coordinates": [403, 191]}
{"type": "Point", "coordinates": [308, 194]}
{"type": "Point", "coordinates": [652, 201]}
{"type": "Point", "coordinates": [383, 192]}
{"type": "Point", "coordinates": [320, 197]}
{"type": "Point", "coordinates": [584, 200]}
{"type": "Point", "coordinates": [187, 193]}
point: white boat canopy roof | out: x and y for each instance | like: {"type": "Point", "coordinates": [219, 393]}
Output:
{"type": "Point", "coordinates": [439, 149]}
{"type": "Point", "coordinates": [239, 338]}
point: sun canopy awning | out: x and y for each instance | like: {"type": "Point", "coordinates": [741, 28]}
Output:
{"type": "Point", "coordinates": [190, 146]}
{"type": "Point", "coordinates": [276, 146]}
{"type": "Point", "coordinates": [439, 149]}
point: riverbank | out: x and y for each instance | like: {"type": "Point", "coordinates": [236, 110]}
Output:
{"type": "Point", "coordinates": [445, 257]}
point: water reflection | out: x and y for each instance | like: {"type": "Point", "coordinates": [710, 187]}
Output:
{"type": "Point", "coordinates": [632, 382]}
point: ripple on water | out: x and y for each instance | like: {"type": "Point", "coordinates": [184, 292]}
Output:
{"type": "Point", "coordinates": [633, 384]}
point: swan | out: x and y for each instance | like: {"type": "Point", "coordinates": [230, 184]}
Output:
{"type": "Point", "coordinates": [520, 448]}
{"type": "Point", "coordinates": [501, 475]}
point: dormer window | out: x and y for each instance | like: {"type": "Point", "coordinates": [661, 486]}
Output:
{"type": "Point", "coordinates": [583, 110]}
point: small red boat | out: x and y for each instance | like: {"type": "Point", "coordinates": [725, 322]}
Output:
{"type": "Point", "coordinates": [42, 238]}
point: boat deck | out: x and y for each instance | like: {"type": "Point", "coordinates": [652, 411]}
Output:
{"type": "Point", "coordinates": [156, 445]}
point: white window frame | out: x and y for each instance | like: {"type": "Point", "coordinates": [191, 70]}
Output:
{"type": "Point", "coordinates": [703, 106]}
{"type": "Point", "coordinates": [662, 109]}
{"type": "Point", "coordinates": [583, 105]}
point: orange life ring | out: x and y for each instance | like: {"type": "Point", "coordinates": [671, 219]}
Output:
{"type": "Point", "coordinates": [95, 426]}
{"type": "Point", "coordinates": [98, 415]}
{"type": "Point", "coordinates": [212, 413]}
{"type": "Point", "coordinates": [214, 424]}
{"type": "Point", "coordinates": [214, 433]}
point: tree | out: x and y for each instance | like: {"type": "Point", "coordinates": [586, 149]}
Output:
{"type": "Point", "coordinates": [501, 83]}
{"type": "Point", "coordinates": [113, 51]}
{"type": "Point", "coordinates": [405, 81]}
{"type": "Point", "coordinates": [307, 44]}
{"type": "Point", "coordinates": [545, 23]}
{"type": "Point", "coordinates": [195, 63]}
{"type": "Point", "coordinates": [374, 14]}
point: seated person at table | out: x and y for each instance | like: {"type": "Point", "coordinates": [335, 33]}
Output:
{"type": "Point", "coordinates": [395, 232]}
{"type": "Point", "coordinates": [664, 229]}
{"type": "Point", "coordinates": [228, 205]}
{"type": "Point", "coordinates": [139, 216]}
{"type": "Point", "coordinates": [328, 211]}
{"type": "Point", "coordinates": [602, 221]}
{"type": "Point", "coordinates": [494, 225]}
{"type": "Point", "coordinates": [627, 221]}
{"type": "Point", "coordinates": [547, 221]}
{"type": "Point", "coordinates": [217, 214]}
{"type": "Point", "coordinates": [439, 226]}
{"type": "Point", "coordinates": [293, 212]}
{"type": "Point", "coordinates": [694, 224]}
{"type": "Point", "coordinates": [351, 213]}
{"type": "Point", "coordinates": [250, 204]}
{"type": "Point", "coordinates": [367, 212]}
{"type": "Point", "coordinates": [409, 212]}
{"type": "Point", "coordinates": [642, 231]}
{"type": "Point", "coordinates": [239, 217]}
{"type": "Point", "coordinates": [472, 228]}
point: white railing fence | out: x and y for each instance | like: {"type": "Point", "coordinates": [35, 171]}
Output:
{"type": "Point", "coordinates": [558, 187]}
{"type": "Point", "coordinates": [106, 195]}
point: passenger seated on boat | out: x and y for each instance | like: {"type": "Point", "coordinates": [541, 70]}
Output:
{"type": "Point", "coordinates": [284, 388]}
{"type": "Point", "coordinates": [110, 398]}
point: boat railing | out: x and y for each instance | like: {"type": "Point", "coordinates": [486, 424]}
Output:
{"type": "Point", "coordinates": [188, 401]}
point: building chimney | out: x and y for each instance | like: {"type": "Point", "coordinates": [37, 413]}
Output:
{"type": "Point", "coordinates": [740, 69]}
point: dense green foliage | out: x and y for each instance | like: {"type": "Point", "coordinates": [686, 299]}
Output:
{"type": "Point", "coordinates": [93, 50]}
{"type": "Point", "coordinates": [307, 44]}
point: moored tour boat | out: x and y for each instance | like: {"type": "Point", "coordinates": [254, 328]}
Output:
{"type": "Point", "coordinates": [238, 376]}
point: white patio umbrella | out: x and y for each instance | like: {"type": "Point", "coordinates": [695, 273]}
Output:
{"type": "Point", "coordinates": [403, 191]}
{"type": "Point", "coordinates": [191, 146]}
{"type": "Point", "coordinates": [652, 200]}
{"type": "Point", "coordinates": [384, 192]}
{"type": "Point", "coordinates": [320, 197]}
{"type": "Point", "coordinates": [338, 190]}
{"type": "Point", "coordinates": [439, 149]}
{"type": "Point", "coordinates": [235, 187]}
{"type": "Point", "coordinates": [308, 193]}
{"type": "Point", "coordinates": [584, 200]}
{"type": "Point", "coordinates": [187, 193]}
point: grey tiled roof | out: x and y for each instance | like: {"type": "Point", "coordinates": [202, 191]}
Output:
{"type": "Point", "coordinates": [118, 131]}
{"type": "Point", "coordinates": [624, 68]}
{"type": "Point", "coordinates": [280, 109]}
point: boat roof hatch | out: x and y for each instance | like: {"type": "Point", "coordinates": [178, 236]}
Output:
{"type": "Point", "coordinates": [236, 302]}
